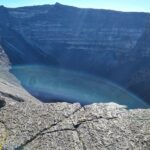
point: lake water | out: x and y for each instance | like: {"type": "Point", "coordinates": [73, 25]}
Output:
{"type": "Point", "coordinates": [51, 84]}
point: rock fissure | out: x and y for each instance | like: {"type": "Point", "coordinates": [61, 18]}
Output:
{"type": "Point", "coordinates": [15, 98]}
{"type": "Point", "coordinates": [80, 139]}
{"type": "Point", "coordinates": [33, 138]}
{"type": "Point", "coordinates": [44, 131]}
{"type": "Point", "coordinates": [93, 119]}
{"type": "Point", "coordinates": [2, 103]}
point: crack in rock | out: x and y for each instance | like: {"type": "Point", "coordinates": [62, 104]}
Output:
{"type": "Point", "coordinates": [14, 97]}
{"type": "Point", "coordinates": [44, 131]}
{"type": "Point", "coordinates": [2, 102]}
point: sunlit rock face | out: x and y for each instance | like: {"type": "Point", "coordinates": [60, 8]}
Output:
{"type": "Point", "coordinates": [4, 60]}
{"type": "Point", "coordinates": [102, 43]}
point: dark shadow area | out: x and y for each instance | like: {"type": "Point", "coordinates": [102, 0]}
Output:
{"type": "Point", "coordinates": [2, 102]}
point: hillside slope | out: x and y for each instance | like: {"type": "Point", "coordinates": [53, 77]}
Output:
{"type": "Point", "coordinates": [105, 43]}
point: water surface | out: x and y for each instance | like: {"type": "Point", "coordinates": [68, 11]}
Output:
{"type": "Point", "coordinates": [52, 84]}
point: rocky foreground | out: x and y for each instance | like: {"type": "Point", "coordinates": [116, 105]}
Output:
{"type": "Point", "coordinates": [26, 123]}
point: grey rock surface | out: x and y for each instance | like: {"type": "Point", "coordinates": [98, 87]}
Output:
{"type": "Point", "coordinates": [4, 60]}
{"type": "Point", "coordinates": [26, 123]}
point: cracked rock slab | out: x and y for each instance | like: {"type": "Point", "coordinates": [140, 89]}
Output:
{"type": "Point", "coordinates": [25, 121]}
{"type": "Point", "coordinates": [59, 140]}
{"type": "Point", "coordinates": [122, 130]}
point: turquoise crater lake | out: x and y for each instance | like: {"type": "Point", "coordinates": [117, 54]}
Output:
{"type": "Point", "coordinates": [51, 84]}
